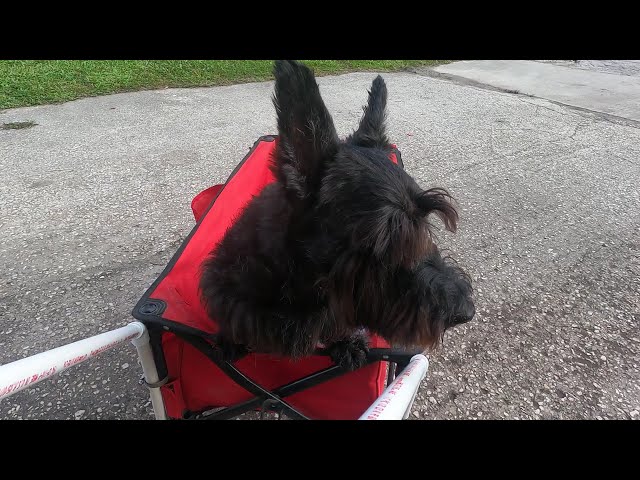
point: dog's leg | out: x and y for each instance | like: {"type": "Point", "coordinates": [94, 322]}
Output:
{"type": "Point", "coordinates": [350, 353]}
{"type": "Point", "coordinates": [257, 285]}
{"type": "Point", "coordinates": [272, 330]}
{"type": "Point", "coordinates": [347, 347]}
{"type": "Point", "coordinates": [254, 303]}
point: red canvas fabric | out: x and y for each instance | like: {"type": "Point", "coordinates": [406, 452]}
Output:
{"type": "Point", "coordinates": [196, 382]}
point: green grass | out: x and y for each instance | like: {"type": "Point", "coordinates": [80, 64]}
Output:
{"type": "Point", "coordinates": [35, 82]}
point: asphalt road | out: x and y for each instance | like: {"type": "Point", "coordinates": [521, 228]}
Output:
{"type": "Point", "coordinates": [95, 198]}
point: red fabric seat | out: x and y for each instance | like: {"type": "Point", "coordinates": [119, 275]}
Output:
{"type": "Point", "coordinates": [173, 302]}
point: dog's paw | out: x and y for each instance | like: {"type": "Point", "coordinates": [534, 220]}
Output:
{"type": "Point", "coordinates": [350, 353]}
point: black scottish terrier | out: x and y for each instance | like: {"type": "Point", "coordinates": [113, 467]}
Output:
{"type": "Point", "coordinates": [340, 243]}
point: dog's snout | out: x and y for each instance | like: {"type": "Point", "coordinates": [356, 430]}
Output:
{"type": "Point", "coordinates": [466, 315]}
{"type": "Point", "coordinates": [470, 313]}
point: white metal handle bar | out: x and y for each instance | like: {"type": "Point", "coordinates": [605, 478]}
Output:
{"type": "Point", "coordinates": [394, 403]}
{"type": "Point", "coordinates": [28, 371]}
{"type": "Point", "coordinates": [397, 399]}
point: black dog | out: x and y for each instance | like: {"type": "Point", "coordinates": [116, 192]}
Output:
{"type": "Point", "coordinates": [339, 243]}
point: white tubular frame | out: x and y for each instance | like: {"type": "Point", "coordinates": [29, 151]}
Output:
{"type": "Point", "coordinates": [396, 401]}
{"type": "Point", "coordinates": [28, 371]}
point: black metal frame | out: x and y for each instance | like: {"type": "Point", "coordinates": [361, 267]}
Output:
{"type": "Point", "coordinates": [264, 399]}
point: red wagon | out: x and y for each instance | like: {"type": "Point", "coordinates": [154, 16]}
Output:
{"type": "Point", "coordinates": [182, 364]}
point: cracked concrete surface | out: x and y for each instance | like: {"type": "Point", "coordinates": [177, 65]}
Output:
{"type": "Point", "coordinates": [95, 200]}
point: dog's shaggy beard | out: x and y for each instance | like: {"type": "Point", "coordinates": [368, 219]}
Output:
{"type": "Point", "coordinates": [409, 307]}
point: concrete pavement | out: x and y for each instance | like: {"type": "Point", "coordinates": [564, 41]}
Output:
{"type": "Point", "coordinates": [593, 87]}
{"type": "Point", "coordinates": [95, 199]}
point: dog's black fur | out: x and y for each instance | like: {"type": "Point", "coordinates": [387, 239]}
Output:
{"type": "Point", "coordinates": [338, 243]}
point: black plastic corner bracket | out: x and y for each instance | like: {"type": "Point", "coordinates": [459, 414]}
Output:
{"type": "Point", "coordinates": [152, 307]}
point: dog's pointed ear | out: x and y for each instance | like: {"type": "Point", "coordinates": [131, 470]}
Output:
{"type": "Point", "coordinates": [438, 201]}
{"type": "Point", "coordinates": [307, 136]}
{"type": "Point", "coordinates": [372, 129]}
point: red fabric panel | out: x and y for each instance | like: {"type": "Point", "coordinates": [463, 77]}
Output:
{"type": "Point", "coordinates": [201, 384]}
{"type": "Point", "coordinates": [179, 289]}
{"type": "Point", "coordinates": [201, 202]}
{"type": "Point", "coordinates": [197, 382]}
